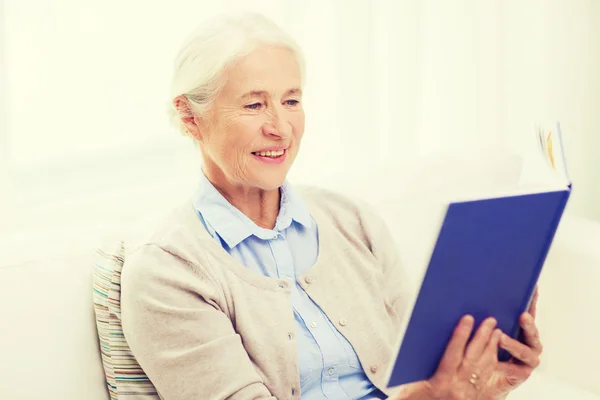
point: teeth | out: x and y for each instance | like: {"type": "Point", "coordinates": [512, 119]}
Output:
{"type": "Point", "coordinates": [269, 153]}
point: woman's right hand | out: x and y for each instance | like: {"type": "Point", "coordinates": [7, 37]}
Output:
{"type": "Point", "coordinates": [465, 369]}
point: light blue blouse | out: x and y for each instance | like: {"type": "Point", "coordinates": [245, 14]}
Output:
{"type": "Point", "coordinates": [329, 367]}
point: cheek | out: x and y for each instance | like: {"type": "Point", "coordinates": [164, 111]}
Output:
{"type": "Point", "coordinates": [239, 133]}
{"type": "Point", "coordinates": [238, 137]}
{"type": "Point", "coordinates": [297, 122]}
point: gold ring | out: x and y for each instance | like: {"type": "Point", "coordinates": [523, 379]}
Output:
{"type": "Point", "coordinates": [474, 379]}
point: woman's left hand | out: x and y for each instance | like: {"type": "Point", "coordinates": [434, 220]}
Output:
{"type": "Point", "coordinates": [525, 358]}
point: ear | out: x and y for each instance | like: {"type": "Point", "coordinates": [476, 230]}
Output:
{"type": "Point", "coordinates": [189, 119]}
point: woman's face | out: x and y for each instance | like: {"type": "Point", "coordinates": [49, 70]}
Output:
{"type": "Point", "coordinates": [252, 134]}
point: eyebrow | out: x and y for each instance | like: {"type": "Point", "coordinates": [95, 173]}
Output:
{"type": "Point", "coordinates": [254, 93]}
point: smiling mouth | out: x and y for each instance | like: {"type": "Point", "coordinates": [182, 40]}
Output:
{"type": "Point", "coordinates": [269, 153]}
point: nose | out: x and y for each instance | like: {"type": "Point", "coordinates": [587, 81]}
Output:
{"type": "Point", "coordinates": [277, 124]}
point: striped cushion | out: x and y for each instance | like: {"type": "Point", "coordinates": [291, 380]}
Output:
{"type": "Point", "coordinates": [124, 376]}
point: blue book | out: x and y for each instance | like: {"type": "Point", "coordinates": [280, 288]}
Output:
{"type": "Point", "coordinates": [486, 261]}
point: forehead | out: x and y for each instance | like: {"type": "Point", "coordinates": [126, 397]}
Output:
{"type": "Point", "coordinates": [267, 68]}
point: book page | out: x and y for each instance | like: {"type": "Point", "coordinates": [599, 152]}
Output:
{"type": "Point", "coordinates": [552, 148]}
{"type": "Point", "coordinates": [544, 164]}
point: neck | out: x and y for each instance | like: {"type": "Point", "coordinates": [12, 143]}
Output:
{"type": "Point", "coordinates": [261, 206]}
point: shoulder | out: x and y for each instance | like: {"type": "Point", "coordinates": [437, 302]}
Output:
{"type": "Point", "coordinates": [159, 227]}
{"type": "Point", "coordinates": [354, 219]}
{"type": "Point", "coordinates": [176, 230]}
{"type": "Point", "coordinates": [171, 246]}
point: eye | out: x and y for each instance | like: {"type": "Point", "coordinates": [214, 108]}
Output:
{"type": "Point", "coordinates": [254, 106]}
{"type": "Point", "coordinates": [292, 102]}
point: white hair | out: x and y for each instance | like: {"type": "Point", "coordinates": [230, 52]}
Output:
{"type": "Point", "coordinates": [212, 47]}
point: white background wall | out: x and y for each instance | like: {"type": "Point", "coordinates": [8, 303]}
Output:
{"type": "Point", "coordinates": [4, 179]}
{"type": "Point", "coordinates": [387, 81]}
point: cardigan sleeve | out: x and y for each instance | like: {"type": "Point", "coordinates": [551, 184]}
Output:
{"type": "Point", "coordinates": [398, 290]}
{"type": "Point", "coordinates": [176, 330]}
{"type": "Point", "coordinates": [375, 233]}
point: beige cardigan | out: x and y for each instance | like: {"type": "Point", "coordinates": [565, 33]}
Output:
{"type": "Point", "coordinates": [202, 326]}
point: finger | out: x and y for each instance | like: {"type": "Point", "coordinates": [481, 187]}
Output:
{"type": "Point", "coordinates": [482, 368]}
{"type": "Point", "coordinates": [480, 340]}
{"type": "Point", "coordinates": [533, 306]}
{"type": "Point", "coordinates": [456, 346]}
{"type": "Point", "coordinates": [489, 359]}
{"type": "Point", "coordinates": [491, 350]}
{"type": "Point", "coordinates": [531, 333]}
{"type": "Point", "coordinates": [520, 351]}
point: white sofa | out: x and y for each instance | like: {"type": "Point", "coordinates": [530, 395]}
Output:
{"type": "Point", "coordinates": [50, 350]}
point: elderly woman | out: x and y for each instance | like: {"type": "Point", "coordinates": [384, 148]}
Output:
{"type": "Point", "coordinates": [256, 289]}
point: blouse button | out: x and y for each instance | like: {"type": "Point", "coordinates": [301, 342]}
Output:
{"type": "Point", "coordinates": [343, 322]}
{"type": "Point", "coordinates": [309, 279]}
{"type": "Point", "coordinates": [374, 368]}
